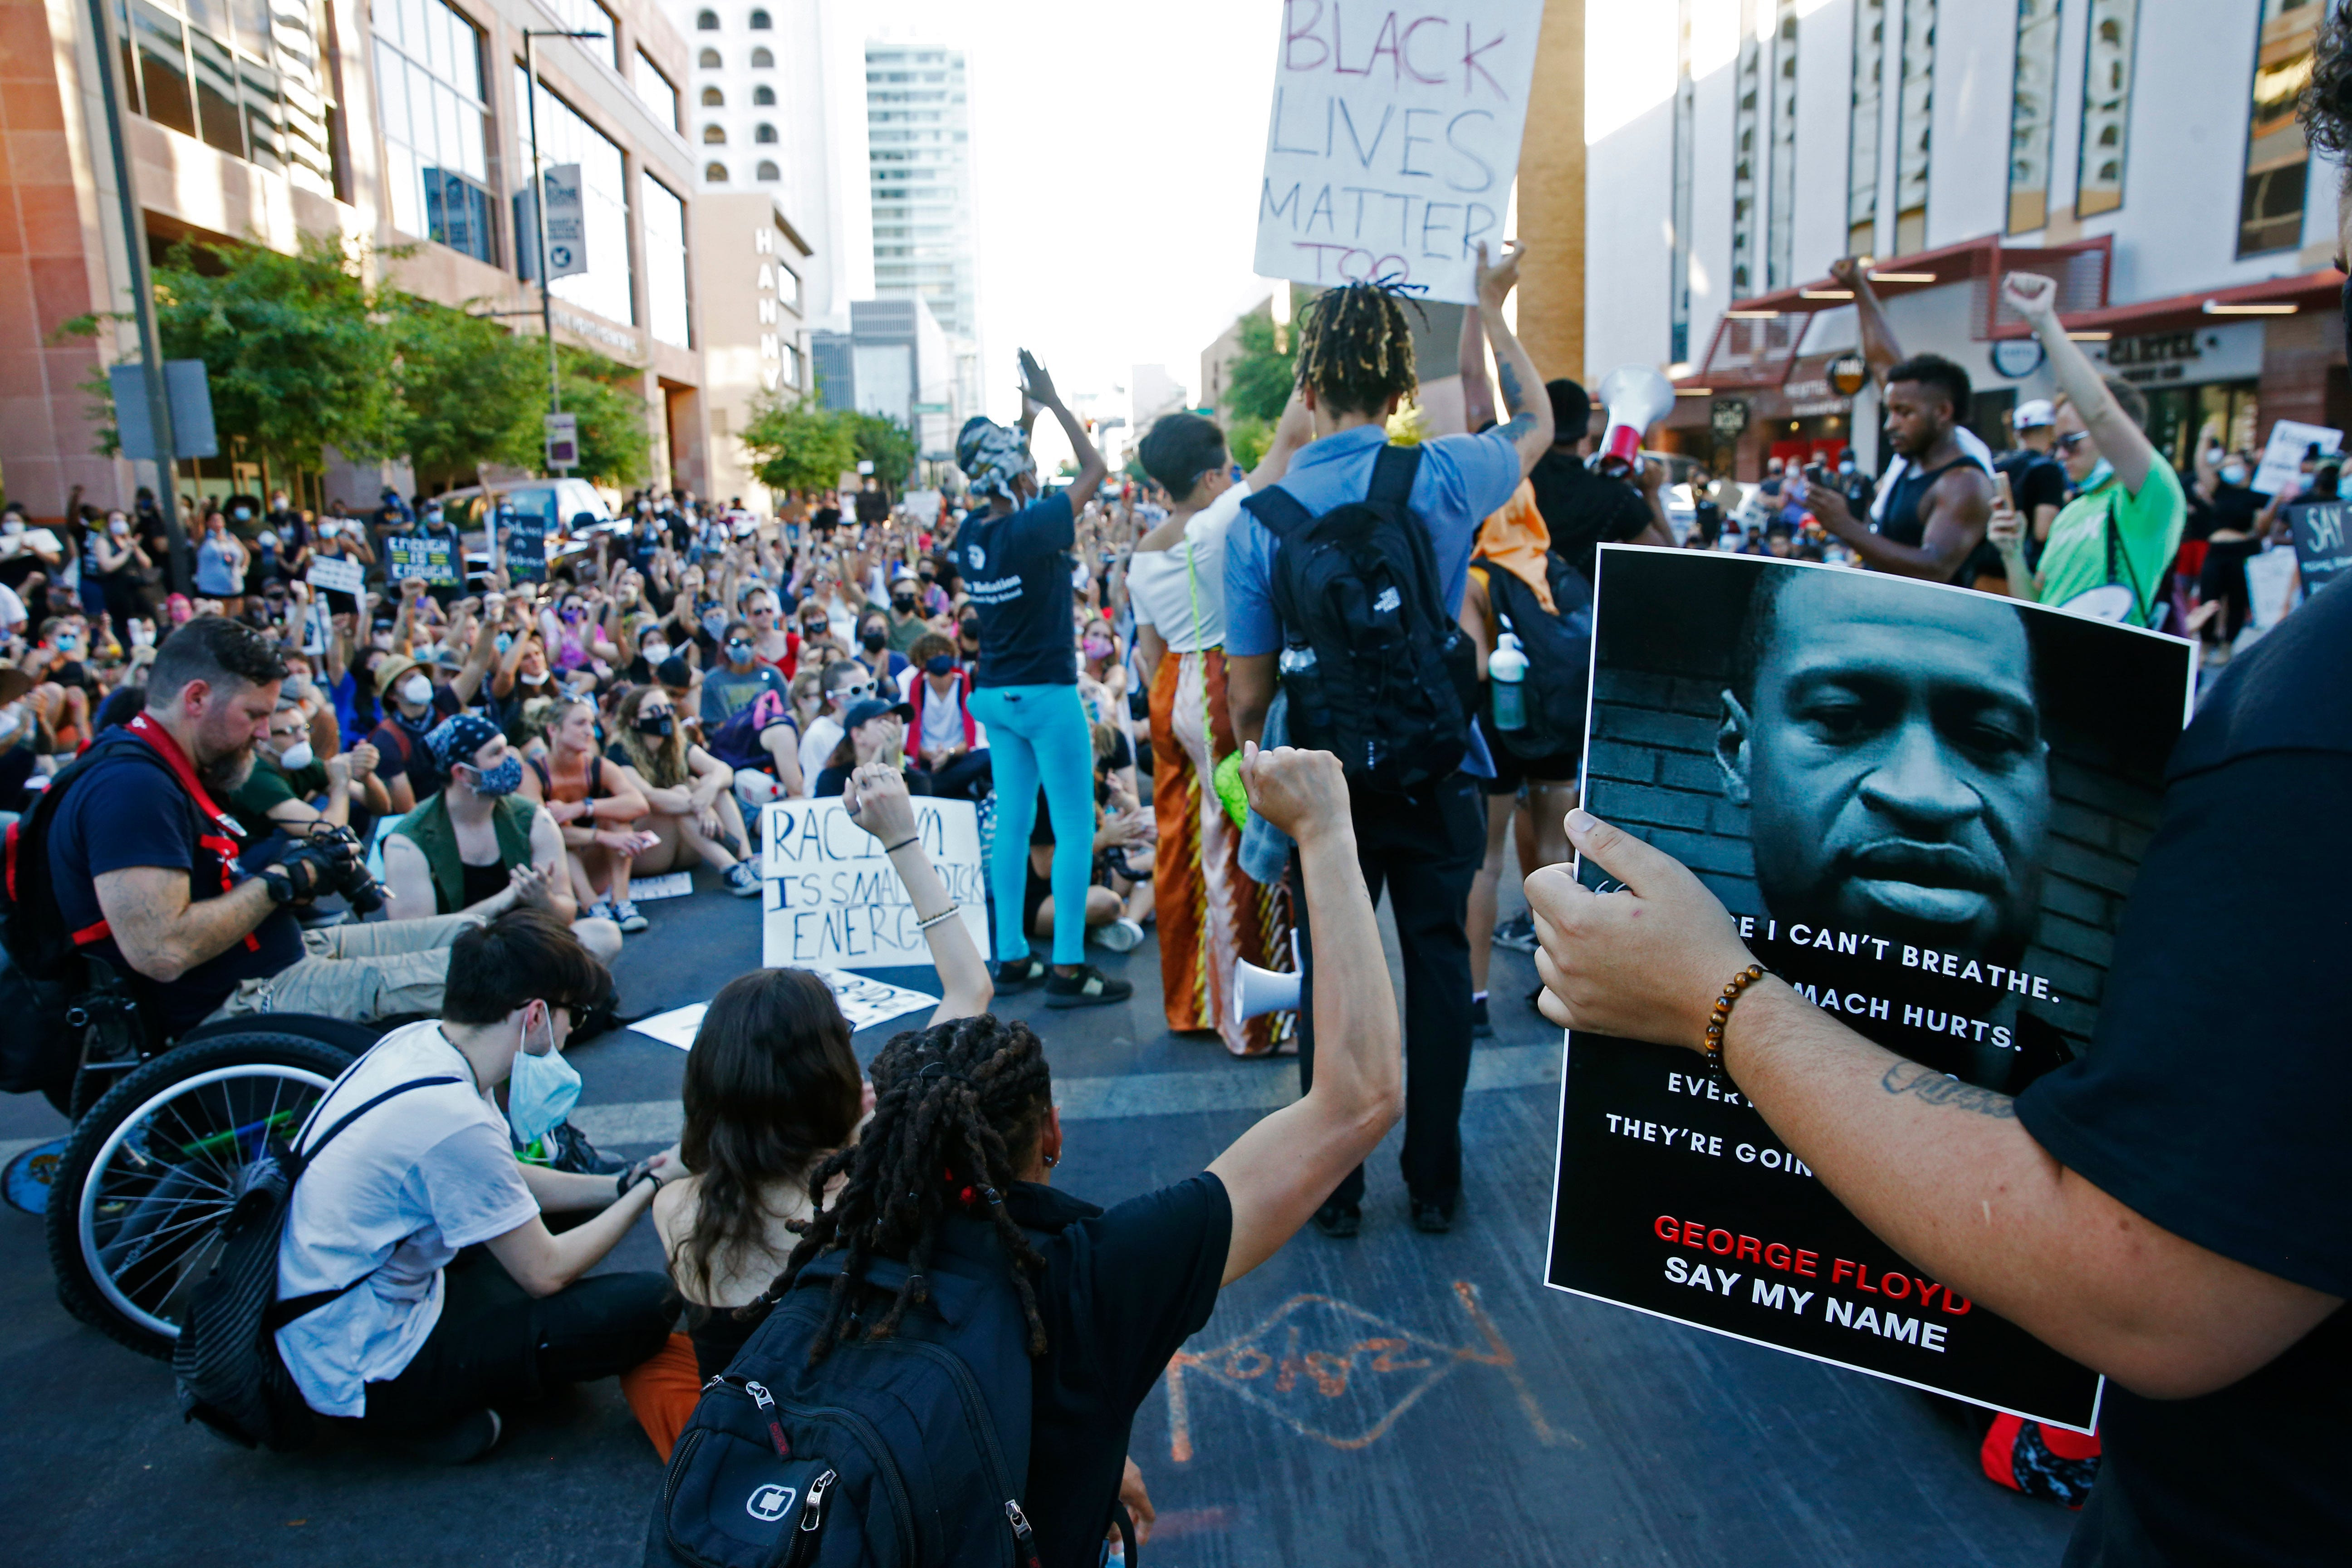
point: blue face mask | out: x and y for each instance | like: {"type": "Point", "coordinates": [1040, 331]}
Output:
{"type": "Point", "coordinates": [2101, 472]}
{"type": "Point", "coordinates": [541, 1090]}
{"type": "Point", "coordinates": [504, 777]}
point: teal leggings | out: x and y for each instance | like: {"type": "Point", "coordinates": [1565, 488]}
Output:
{"type": "Point", "coordinates": [1039, 734]}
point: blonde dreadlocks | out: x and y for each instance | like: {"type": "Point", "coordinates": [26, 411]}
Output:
{"type": "Point", "coordinates": [1355, 348]}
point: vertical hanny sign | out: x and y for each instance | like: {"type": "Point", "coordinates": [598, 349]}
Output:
{"type": "Point", "coordinates": [1393, 140]}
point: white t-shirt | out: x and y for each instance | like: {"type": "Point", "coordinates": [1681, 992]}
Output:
{"type": "Point", "coordinates": [12, 612]}
{"type": "Point", "coordinates": [398, 1194]}
{"type": "Point", "coordinates": [1164, 593]}
{"type": "Point", "coordinates": [825, 734]}
{"type": "Point", "coordinates": [942, 717]}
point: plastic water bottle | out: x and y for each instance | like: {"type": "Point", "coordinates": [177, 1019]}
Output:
{"type": "Point", "coordinates": [1507, 670]}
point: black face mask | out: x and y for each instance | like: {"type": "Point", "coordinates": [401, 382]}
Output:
{"type": "Point", "coordinates": [904, 606]}
{"type": "Point", "coordinates": [658, 725]}
{"type": "Point", "coordinates": [871, 641]}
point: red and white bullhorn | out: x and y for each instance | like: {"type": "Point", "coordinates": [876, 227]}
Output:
{"type": "Point", "coordinates": [1636, 398]}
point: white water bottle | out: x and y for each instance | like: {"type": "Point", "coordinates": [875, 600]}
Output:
{"type": "Point", "coordinates": [1506, 668]}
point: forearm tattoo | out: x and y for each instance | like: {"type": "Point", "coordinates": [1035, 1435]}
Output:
{"type": "Point", "coordinates": [1513, 393]}
{"type": "Point", "coordinates": [1935, 1089]}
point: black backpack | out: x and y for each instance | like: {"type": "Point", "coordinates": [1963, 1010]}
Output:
{"type": "Point", "coordinates": [911, 1450]}
{"type": "Point", "coordinates": [1560, 657]}
{"type": "Point", "coordinates": [1377, 671]}
{"type": "Point", "coordinates": [226, 1364]}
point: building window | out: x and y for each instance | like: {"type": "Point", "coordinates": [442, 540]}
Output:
{"type": "Point", "coordinates": [763, 96]}
{"type": "Point", "coordinates": [1679, 275]}
{"type": "Point", "coordinates": [2278, 161]}
{"type": "Point", "coordinates": [1915, 118]}
{"type": "Point", "coordinates": [760, 21]}
{"type": "Point", "coordinates": [564, 137]}
{"type": "Point", "coordinates": [715, 173]}
{"type": "Point", "coordinates": [2106, 106]}
{"type": "Point", "coordinates": [665, 264]}
{"type": "Point", "coordinates": [1747, 90]}
{"type": "Point", "coordinates": [762, 61]}
{"type": "Point", "coordinates": [714, 135]}
{"type": "Point", "coordinates": [708, 60]}
{"type": "Point", "coordinates": [765, 133]}
{"type": "Point", "coordinates": [428, 74]}
{"type": "Point", "coordinates": [2032, 106]}
{"type": "Point", "coordinates": [589, 16]}
{"type": "Point", "coordinates": [768, 171]}
{"type": "Point", "coordinates": [656, 90]}
{"type": "Point", "coordinates": [1861, 127]}
{"type": "Point", "coordinates": [713, 99]}
{"type": "Point", "coordinates": [706, 21]}
{"type": "Point", "coordinates": [1781, 244]}
{"type": "Point", "coordinates": [252, 85]}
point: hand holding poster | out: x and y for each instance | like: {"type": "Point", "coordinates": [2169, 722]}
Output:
{"type": "Point", "coordinates": [338, 572]}
{"type": "Point", "coordinates": [2282, 461]}
{"type": "Point", "coordinates": [427, 556]}
{"type": "Point", "coordinates": [523, 535]}
{"type": "Point", "coordinates": [1393, 140]}
{"type": "Point", "coordinates": [832, 899]}
{"type": "Point", "coordinates": [1923, 807]}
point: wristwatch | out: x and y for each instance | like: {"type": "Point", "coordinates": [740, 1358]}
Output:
{"type": "Point", "coordinates": [642, 1171]}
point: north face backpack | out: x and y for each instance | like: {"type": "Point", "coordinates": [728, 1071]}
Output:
{"type": "Point", "coordinates": [1377, 670]}
{"type": "Point", "coordinates": [1560, 657]}
{"type": "Point", "coordinates": [226, 1364]}
{"type": "Point", "coordinates": [908, 1452]}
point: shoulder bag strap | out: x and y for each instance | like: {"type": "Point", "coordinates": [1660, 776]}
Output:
{"type": "Point", "coordinates": [1281, 513]}
{"type": "Point", "coordinates": [2116, 553]}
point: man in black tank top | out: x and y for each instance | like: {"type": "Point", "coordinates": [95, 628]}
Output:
{"type": "Point", "coordinates": [1938, 506]}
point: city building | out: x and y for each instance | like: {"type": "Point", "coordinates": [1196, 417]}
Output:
{"type": "Point", "coordinates": [1217, 359]}
{"type": "Point", "coordinates": [774, 103]}
{"type": "Point", "coordinates": [919, 145]}
{"type": "Point", "coordinates": [2145, 156]}
{"type": "Point", "coordinates": [403, 125]}
{"type": "Point", "coordinates": [750, 284]}
{"type": "Point", "coordinates": [895, 361]}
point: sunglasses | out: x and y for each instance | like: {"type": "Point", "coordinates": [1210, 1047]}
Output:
{"type": "Point", "coordinates": [2068, 443]}
{"type": "Point", "coordinates": [734, 643]}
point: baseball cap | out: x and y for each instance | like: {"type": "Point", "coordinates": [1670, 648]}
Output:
{"type": "Point", "coordinates": [675, 671]}
{"type": "Point", "coordinates": [2034, 413]}
{"type": "Point", "coordinates": [873, 708]}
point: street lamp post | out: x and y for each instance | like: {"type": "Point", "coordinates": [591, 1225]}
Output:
{"type": "Point", "coordinates": [538, 202]}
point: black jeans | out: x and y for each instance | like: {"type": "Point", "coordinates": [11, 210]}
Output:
{"type": "Point", "coordinates": [497, 1345]}
{"type": "Point", "coordinates": [1425, 847]}
{"type": "Point", "coordinates": [966, 778]}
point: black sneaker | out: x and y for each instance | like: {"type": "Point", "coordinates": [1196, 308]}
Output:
{"type": "Point", "coordinates": [1517, 934]}
{"type": "Point", "coordinates": [459, 1441]}
{"type": "Point", "coordinates": [1020, 974]}
{"type": "Point", "coordinates": [568, 1149]}
{"type": "Point", "coordinates": [1480, 1028]}
{"type": "Point", "coordinates": [1432, 1217]}
{"type": "Point", "coordinates": [1340, 1221]}
{"type": "Point", "coordinates": [1089, 987]}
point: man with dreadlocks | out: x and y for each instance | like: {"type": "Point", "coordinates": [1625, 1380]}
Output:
{"type": "Point", "coordinates": [959, 1156]}
{"type": "Point", "coordinates": [1355, 368]}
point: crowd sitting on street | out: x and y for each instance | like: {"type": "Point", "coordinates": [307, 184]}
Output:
{"type": "Point", "coordinates": [1118, 672]}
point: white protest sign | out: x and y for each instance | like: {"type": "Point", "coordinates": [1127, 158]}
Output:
{"type": "Point", "coordinates": [1393, 140]}
{"type": "Point", "coordinates": [338, 572]}
{"type": "Point", "coordinates": [832, 899]}
{"type": "Point", "coordinates": [2282, 455]}
{"type": "Point", "coordinates": [865, 1003]}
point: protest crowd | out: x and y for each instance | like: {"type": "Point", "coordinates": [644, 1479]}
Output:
{"type": "Point", "coordinates": [1230, 708]}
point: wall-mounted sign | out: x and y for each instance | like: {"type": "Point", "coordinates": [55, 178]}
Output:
{"type": "Point", "coordinates": [1727, 418]}
{"type": "Point", "coordinates": [1849, 374]}
{"type": "Point", "coordinates": [2017, 357]}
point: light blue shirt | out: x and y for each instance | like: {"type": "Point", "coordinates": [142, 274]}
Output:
{"type": "Point", "coordinates": [1463, 480]}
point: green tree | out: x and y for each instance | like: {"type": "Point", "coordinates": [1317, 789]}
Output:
{"type": "Point", "coordinates": [296, 346]}
{"type": "Point", "coordinates": [471, 393]}
{"type": "Point", "coordinates": [1247, 438]}
{"type": "Point", "coordinates": [1262, 377]}
{"type": "Point", "coordinates": [798, 446]}
{"type": "Point", "coordinates": [888, 444]}
{"type": "Point", "coordinates": [615, 444]}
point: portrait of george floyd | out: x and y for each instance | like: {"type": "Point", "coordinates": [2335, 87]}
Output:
{"type": "Point", "coordinates": [1927, 803]}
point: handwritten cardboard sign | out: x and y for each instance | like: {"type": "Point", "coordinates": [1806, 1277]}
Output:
{"type": "Point", "coordinates": [832, 899]}
{"type": "Point", "coordinates": [340, 573]}
{"type": "Point", "coordinates": [1393, 140]}
{"type": "Point", "coordinates": [863, 1002]}
{"type": "Point", "coordinates": [2282, 461]}
{"type": "Point", "coordinates": [2320, 545]}
{"type": "Point", "coordinates": [430, 557]}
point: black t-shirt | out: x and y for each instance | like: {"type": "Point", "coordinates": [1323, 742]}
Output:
{"type": "Point", "coordinates": [2035, 479]}
{"type": "Point", "coordinates": [401, 744]}
{"type": "Point", "coordinates": [128, 810]}
{"type": "Point", "coordinates": [1123, 1290]}
{"type": "Point", "coordinates": [2235, 507]}
{"type": "Point", "coordinates": [1584, 510]}
{"type": "Point", "coordinates": [1017, 568]}
{"type": "Point", "coordinates": [2213, 1103]}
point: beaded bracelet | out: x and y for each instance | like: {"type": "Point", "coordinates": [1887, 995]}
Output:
{"type": "Point", "coordinates": [1722, 1014]}
{"type": "Point", "coordinates": [944, 916]}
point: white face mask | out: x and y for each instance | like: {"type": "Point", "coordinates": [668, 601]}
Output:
{"type": "Point", "coordinates": [118, 527]}
{"type": "Point", "coordinates": [297, 757]}
{"type": "Point", "coordinates": [416, 690]}
{"type": "Point", "coordinates": [655, 652]}
{"type": "Point", "coordinates": [2235, 474]}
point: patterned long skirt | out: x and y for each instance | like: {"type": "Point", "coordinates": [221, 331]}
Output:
{"type": "Point", "coordinates": [1209, 912]}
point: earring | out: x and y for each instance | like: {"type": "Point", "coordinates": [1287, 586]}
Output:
{"type": "Point", "coordinates": [1052, 1161]}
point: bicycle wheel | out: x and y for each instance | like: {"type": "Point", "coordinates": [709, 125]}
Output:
{"type": "Point", "coordinates": [151, 1170]}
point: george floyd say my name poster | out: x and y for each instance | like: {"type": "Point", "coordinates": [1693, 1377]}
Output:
{"type": "Point", "coordinates": [1925, 806]}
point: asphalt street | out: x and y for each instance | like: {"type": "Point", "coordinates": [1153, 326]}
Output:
{"type": "Point", "coordinates": [1396, 1399]}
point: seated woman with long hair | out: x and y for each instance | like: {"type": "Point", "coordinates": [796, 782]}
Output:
{"type": "Point", "coordinates": [598, 810]}
{"type": "Point", "coordinates": [690, 792]}
{"type": "Point", "coordinates": [771, 1091]}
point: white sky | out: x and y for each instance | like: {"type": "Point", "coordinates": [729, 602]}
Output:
{"type": "Point", "coordinates": [1117, 149]}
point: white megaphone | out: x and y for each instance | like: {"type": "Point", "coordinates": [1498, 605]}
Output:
{"type": "Point", "coordinates": [1258, 991]}
{"type": "Point", "coordinates": [1636, 398]}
